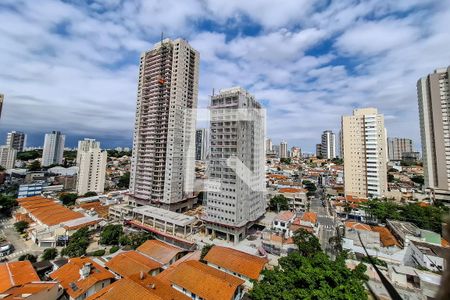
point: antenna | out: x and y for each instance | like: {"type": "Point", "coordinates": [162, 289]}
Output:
{"type": "Point", "coordinates": [162, 36]}
{"type": "Point", "coordinates": [213, 92]}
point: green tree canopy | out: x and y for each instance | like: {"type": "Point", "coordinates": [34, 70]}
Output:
{"type": "Point", "coordinates": [78, 243]}
{"type": "Point", "coordinates": [35, 165]}
{"type": "Point", "coordinates": [68, 198]}
{"type": "Point", "coordinates": [6, 204]}
{"type": "Point", "coordinates": [50, 253]}
{"type": "Point", "coordinates": [313, 276]}
{"type": "Point", "coordinates": [32, 258]}
{"type": "Point", "coordinates": [90, 194]}
{"type": "Point", "coordinates": [28, 155]}
{"type": "Point", "coordinates": [135, 239]}
{"type": "Point", "coordinates": [278, 203]}
{"type": "Point", "coordinates": [111, 234]}
{"type": "Point", "coordinates": [21, 226]}
{"type": "Point", "coordinates": [124, 181]}
{"type": "Point", "coordinates": [285, 160]}
{"type": "Point", "coordinates": [205, 251]}
{"type": "Point", "coordinates": [310, 186]}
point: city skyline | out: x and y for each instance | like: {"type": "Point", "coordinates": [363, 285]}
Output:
{"type": "Point", "coordinates": [323, 72]}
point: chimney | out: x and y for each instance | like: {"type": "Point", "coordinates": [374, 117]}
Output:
{"type": "Point", "coordinates": [85, 270]}
{"type": "Point", "coordinates": [141, 275]}
{"type": "Point", "coordinates": [152, 286]}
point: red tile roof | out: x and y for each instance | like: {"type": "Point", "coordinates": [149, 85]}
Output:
{"type": "Point", "coordinates": [292, 190]}
{"type": "Point", "coordinates": [159, 251]}
{"type": "Point", "coordinates": [358, 226]}
{"type": "Point", "coordinates": [26, 291]}
{"type": "Point", "coordinates": [70, 273]}
{"type": "Point", "coordinates": [205, 281]}
{"type": "Point", "coordinates": [124, 289]}
{"type": "Point", "coordinates": [15, 274]}
{"type": "Point", "coordinates": [310, 217]}
{"type": "Point", "coordinates": [131, 262]}
{"type": "Point", "coordinates": [159, 287]}
{"type": "Point", "coordinates": [285, 215]}
{"type": "Point", "coordinates": [237, 261]}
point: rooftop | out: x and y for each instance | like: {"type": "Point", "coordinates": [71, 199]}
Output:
{"type": "Point", "coordinates": [15, 274]}
{"type": "Point", "coordinates": [205, 281]}
{"type": "Point", "coordinates": [124, 289]}
{"type": "Point", "coordinates": [292, 190]}
{"type": "Point", "coordinates": [159, 251]}
{"type": "Point", "coordinates": [285, 216]}
{"type": "Point", "coordinates": [69, 276]}
{"type": "Point", "coordinates": [432, 250]}
{"type": "Point", "coordinates": [165, 215]}
{"type": "Point", "coordinates": [131, 262]}
{"type": "Point", "coordinates": [237, 261]}
{"type": "Point", "coordinates": [27, 290]}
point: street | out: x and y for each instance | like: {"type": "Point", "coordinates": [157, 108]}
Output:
{"type": "Point", "coordinates": [326, 222]}
{"type": "Point", "coordinates": [20, 245]}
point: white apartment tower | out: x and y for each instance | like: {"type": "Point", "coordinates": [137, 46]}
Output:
{"type": "Point", "coordinates": [163, 160]}
{"type": "Point", "coordinates": [284, 150]}
{"type": "Point", "coordinates": [7, 157]}
{"type": "Point", "coordinates": [365, 153]}
{"type": "Point", "coordinates": [91, 163]}
{"type": "Point", "coordinates": [398, 146]}
{"type": "Point", "coordinates": [328, 145]}
{"type": "Point", "coordinates": [53, 148]}
{"type": "Point", "coordinates": [16, 140]}
{"type": "Point", "coordinates": [269, 145]}
{"type": "Point", "coordinates": [433, 93]}
{"type": "Point", "coordinates": [236, 168]}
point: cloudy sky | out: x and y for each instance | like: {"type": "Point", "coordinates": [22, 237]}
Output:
{"type": "Point", "coordinates": [72, 65]}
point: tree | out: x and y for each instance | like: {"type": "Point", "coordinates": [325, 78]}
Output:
{"type": "Point", "coordinates": [390, 177]}
{"type": "Point", "coordinates": [78, 243]}
{"type": "Point", "coordinates": [111, 234]}
{"type": "Point", "coordinates": [418, 179]}
{"type": "Point", "coordinates": [7, 203]}
{"type": "Point", "coordinates": [114, 249]}
{"type": "Point", "coordinates": [337, 161]}
{"type": "Point", "coordinates": [310, 186]}
{"type": "Point", "coordinates": [285, 160]}
{"type": "Point", "coordinates": [124, 181]}
{"type": "Point", "coordinates": [278, 202]}
{"type": "Point", "coordinates": [308, 245]}
{"type": "Point", "coordinates": [68, 198]}
{"type": "Point", "coordinates": [28, 155]}
{"type": "Point", "coordinates": [135, 239]}
{"type": "Point", "coordinates": [21, 226]}
{"type": "Point", "coordinates": [50, 253]}
{"type": "Point", "coordinates": [35, 165]}
{"type": "Point", "coordinates": [314, 276]}
{"type": "Point", "coordinates": [205, 251]}
{"type": "Point", "coordinates": [32, 258]}
{"type": "Point", "coordinates": [90, 194]}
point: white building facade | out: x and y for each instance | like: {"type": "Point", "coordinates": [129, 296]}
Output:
{"type": "Point", "coordinates": [7, 157]}
{"type": "Point", "coordinates": [163, 159]}
{"type": "Point", "coordinates": [236, 168]}
{"type": "Point", "coordinates": [53, 148]}
{"type": "Point", "coordinates": [328, 145]}
{"type": "Point", "coordinates": [91, 163]}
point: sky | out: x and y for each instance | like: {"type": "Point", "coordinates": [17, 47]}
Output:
{"type": "Point", "coordinates": [73, 65]}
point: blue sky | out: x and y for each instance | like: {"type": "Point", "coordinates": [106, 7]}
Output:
{"type": "Point", "coordinates": [72, 65]}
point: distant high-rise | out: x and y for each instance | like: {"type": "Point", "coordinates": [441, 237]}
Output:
{"type": "Point", "coordinates": [91, 163]}
{"type": "Point", "coordinates": [240, 200]}
{"type": "Point", "coordinates": [296, 152]}
{"type": "Point", "coordinates": [319, 150]}
{"type": "Point", "coordinates": [53, 148]}
{"type": "Point", "coordinates": [284, 150]}
{"type": "Point", "coordinates": [163, 160]}
{"type": "Point", "coordinates": [328, 145]}
{"type": "Point", "coordinates": [269, 146]}
{"type": "Point", "coordinates": [201, 144]}
{"type": "Point", "coordinates": [86, 145]}
{"type": "Point", "coordinates": [7, 157]}
{"type": "Point", "coordinates": [398, 146]}
{"type": "Point", "coordinates": [2, 97]}
{"type": "Point", "coordinates": [433, 93]}
{"type": "Point", "coordinates": [365, 153]}
{"type": "Point", "coordinates": [16, 140]}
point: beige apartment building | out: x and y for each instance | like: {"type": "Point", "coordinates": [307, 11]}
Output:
{"type": "Point", "coordinates": [163, 159]}
{"type": "Point", "coordinates": [7, 157]}
{"type": "Point", "coordinates": [434, 111]}
{"type": "Point", "coordinates": [365, 153]}
{"type": "Point", "coordinates": [397, 147]}
{"type": "Point", "coordinates": [91, 162]}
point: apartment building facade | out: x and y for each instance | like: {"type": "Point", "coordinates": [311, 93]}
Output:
{"type": "Point", "coordinates": [397, 147]}
{"type": "Point", "coordinates": [201, 144]}
{"type": "Point", "coordinates": [53, 148]}
{"type": "Point", "coordinates": [284, 150]}
{"type": "Point", "coordinates": [7, 157]}
{"type": "Point", "coordinates": [433, 93]}
{"type": "Point", "coordinates": [16, 140]}
{"type": "Point", "coordinates": [162, 164]}
{"type": "Point", "coordinates": [365, 153]}
{"type": "Point", "coordinates": [328, 145]}
{"type": "Point", "coordinates": [91, 163]}
{"type": "Point", "coordinates": [236, 167]}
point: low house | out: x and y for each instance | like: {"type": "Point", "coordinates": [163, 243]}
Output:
{"type": "Point", "coordinates": [82, 277]}
{"type": "Point", "coordinates": [163, 253]}
{"type": "Point", "coordinates": [37, 290]}
{"type": "Point", "coordinates": [200, 281]}
{"type": "Point", "coordinates": [243, 265]}
{"type": "Point", "coordinates": [129, 263]}
{"type": "Point", "coordinates": [308, 222]}
{"type": "Point", "coordinates": [425, 255]}
{"type": "Point", "coordinates": [283, 221]}
{"type": "Point", "coordinates": [297, 198]}
{"type": "Point", "coordinates": [17, 273]}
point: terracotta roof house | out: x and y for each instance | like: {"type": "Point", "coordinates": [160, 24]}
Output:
{"type": "Point", "coordinates": [124, 289]}
{"type": "Point", "coordinates": [198, 280]}
{"type": "Point", "coordinates": [243, 265]}
{"type": "Point", "coordinates": [16, 273]}
{"type": "Point", "coordinates": [47, 290]}
{"type": "Point", "coordinates": [161, 252]}
{"type": "Point", "coordinates": [82, 277]}
{"type": "Point", "coordinates": [128, 263]}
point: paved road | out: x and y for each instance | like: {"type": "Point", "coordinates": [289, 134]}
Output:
{"type": "Point", "coordinates": [20, 245]}
{"type": "Point", "coordinates": [326, 222]}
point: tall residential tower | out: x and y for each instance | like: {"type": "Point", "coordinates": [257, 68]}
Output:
{"type": "Point", "coordinates": [201, 144]}
{"type": "Point", "coordinates": [91, 163]}
{"type": "Point", "coordinates": [163, 160]}
{"type": "Point", "coordinates": [398, 146]}
{"type": "Point", "coordinates": [53, 148]}
{"type": "Point", "coordinates": [328, 145]}
{"type": "Point", "coordinates": [236, 169]}
{"type": "Point", "coordinates": [433, 92]}
{"type": "Point", "coordinates": [16, 140]}
{"type": "Point", "coordinates": [365, 153]}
